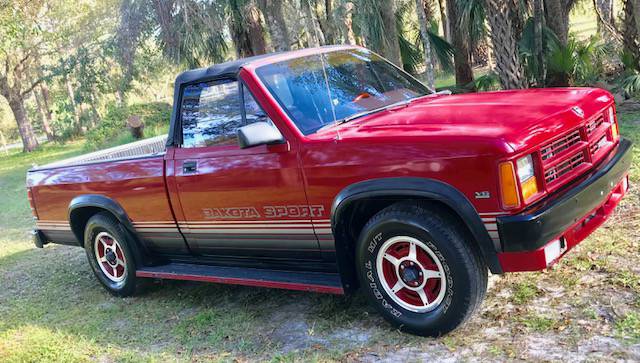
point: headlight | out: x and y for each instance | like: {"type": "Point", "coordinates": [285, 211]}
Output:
{"type": "Point", "coordinates": [525, 168]}
{"type": "Point", "coordinates": [526, 177]}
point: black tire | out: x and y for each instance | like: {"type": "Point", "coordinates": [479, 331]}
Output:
{"type": "Point", "coordinates": [464, 271]}
{"type": "Point", "coordinates": [105, 225]}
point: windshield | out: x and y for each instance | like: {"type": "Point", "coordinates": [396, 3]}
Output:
{"type": "Point", "coordinates": [324, 88]}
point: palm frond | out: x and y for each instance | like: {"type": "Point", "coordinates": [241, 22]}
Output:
{"type": "Point", "coordinates": [473, 19]}
{"type": "Point", "coordinates": [442, 50]}
{"type": "Point", "coordinates": [631, 84]}
{"type": "Point", "coordinates": [487, 82]}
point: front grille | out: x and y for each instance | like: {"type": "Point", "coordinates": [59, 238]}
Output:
{"type": "Point", "coordinates": [594, 124]}
{"type": "Point", "coordinates": [595, 147]}
{"type": "Point", "coordinates": [564, 167]}
{"type": "Point", "coordinates": [574, 150]}
{"type": "Point", "coordinates": [554, 148]}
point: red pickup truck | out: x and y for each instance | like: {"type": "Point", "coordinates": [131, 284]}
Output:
{"type": "Point", "coordinates": [329, 169]}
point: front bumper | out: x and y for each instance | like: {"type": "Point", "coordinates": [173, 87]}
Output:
{"type": "Point", "coordinates": [539, 237]}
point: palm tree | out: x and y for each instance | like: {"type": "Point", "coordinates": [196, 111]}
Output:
{"type": "Point", "coordinates": [424, 34]}
{"type": "Point", "coordinates": [505, 44]}
{"type": "Point", "coordinates": [391, 48]}
{"type": "Point", "coordinates": [274, 14]}
{"type": "Point", "coordinates": [631, 32]}
{"type": "Point", "coordinates": [605, 9]}
{"type": "Point", "coordinates": [315, 37]}
{"type": "Point", "coordinates": [247, 32]}
{"type": "Point", "coordinates": [376, 20]}
{"type": "Point", "coordinates": [557, 15]}
{"type": "Point", "coordinates": [460, 43]}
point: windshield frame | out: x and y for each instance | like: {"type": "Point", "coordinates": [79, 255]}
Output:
{"type": "Point", "coordinates": [335, 122]}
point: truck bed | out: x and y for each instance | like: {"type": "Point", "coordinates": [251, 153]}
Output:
{"type": "Point", "coordinates": [147, 147]}
{"type": "Point", "coordinates": [131, 175]}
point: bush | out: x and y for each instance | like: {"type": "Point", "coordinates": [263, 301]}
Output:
{"type": "Point", "coordinates": [113, 130]}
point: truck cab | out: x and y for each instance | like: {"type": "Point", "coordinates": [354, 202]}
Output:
{"type": "Point", "coordinates": [329, 169]}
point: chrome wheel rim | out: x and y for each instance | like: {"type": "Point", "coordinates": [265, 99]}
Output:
{"type": "Point", "coordinates": [110, 257]}
{"type": "Point", "coordinates": [411, 274]}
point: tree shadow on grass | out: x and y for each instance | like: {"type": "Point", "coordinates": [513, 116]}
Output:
{"type": "Point", "coordinates": [54, 289]}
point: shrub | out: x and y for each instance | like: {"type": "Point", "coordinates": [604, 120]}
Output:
{"type": "Point", "coordinates": [113, 130]}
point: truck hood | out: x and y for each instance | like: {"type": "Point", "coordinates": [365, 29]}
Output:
{"type": "Point", "coordinates": [521, 119]}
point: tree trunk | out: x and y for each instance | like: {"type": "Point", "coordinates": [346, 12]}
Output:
{"type": "Point", "coordinates": [43, 116]}
{"type": "Point", "coordinates": [557, 15]}
{"type": "Point", "coordinates": [44, 92]}
{"type": "Point", "coordinates": [390, 46]}
{"type": "Point", "coordinates": [517, 17]}
{"type": "Point", "coordinates": [539, 24]}
{"type": "Point", "coordinates": [636, 7]}
{"type": "Point", "coordinates": [505, 45]}
{"type": "Point", "coordinates": [272, 10]}
{"type": "Point", "coordinates": [446, 25]}
{"type": "Point", "coordinates": [29, 140]}
{"type": "Point", "coordinates": [428, 57]}
{"type": "Point", "coordinates": [314, 34]}
{"type": "Point", "coordinates": [94, 110]}
{"type": "Point", "coordinates": [3, 142]}
{"type": "Point", "coordinates": [459, 41]}
{"type": "Point", "coordinates": [606, 10]}
{"type": "Point", "coordinates": [246, 30]}
{"type": "Point", "coordinates": [255, 30]}
{"type": "Point", "coordinates": [347, 23]}
{"type": "Point", "coordinates": [630, 34]}
{"type": "Point", "coordinates": [329, 28]}
{"type": "Point", "coordinates": [74, 106]}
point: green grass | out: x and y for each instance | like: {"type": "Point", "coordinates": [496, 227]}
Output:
{"type": "Point", "coordinates": [52, 308]}
{"type": "Point", "coordinates": [524, 292]}
{"type": "Point", "coordinates": [629, 326]}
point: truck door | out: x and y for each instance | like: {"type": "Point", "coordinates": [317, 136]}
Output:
{"type": "Point", "coordinates": [238, 202]}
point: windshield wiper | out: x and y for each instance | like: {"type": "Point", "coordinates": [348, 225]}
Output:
{"type": "Point", "coordinates": [379, 109]}
{"type": "Point", "coordinates": [398, 104]}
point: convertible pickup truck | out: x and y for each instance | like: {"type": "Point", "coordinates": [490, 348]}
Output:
{"type": "Point", "coordinates": [330, 169]}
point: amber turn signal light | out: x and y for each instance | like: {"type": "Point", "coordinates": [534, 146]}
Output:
{"type": "Point", "coordinates": [508, 186]}
{"type": "Point", "coordinates": [614, 131]}
{"type": "Point", "coordinates": [529, 188]}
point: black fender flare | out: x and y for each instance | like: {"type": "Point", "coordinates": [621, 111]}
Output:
{"type": "Point", "coordinates": [410, 187]}
{"type": "Point", "coordinates": [96, 201]}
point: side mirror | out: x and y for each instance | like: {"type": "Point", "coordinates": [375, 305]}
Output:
{"type": "Point", "coordinates": [259, 133]}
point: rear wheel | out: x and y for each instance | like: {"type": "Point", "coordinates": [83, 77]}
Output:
{"type": "Point", "coordinates": [418, 271]}
{"type": "Point", "coordinates": [109, 251]}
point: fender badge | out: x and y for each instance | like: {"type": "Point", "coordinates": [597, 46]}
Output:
{"type": "Point", "coordinates": [578, 111]}
{"type": "Point", "coordinates": [483, 195]}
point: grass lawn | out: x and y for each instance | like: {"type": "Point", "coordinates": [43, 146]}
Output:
{"type": "Point", "coordinates": [53, 309]}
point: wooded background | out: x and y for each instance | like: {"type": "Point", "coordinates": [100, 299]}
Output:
{"type": "Point", "coordinates": [79, 69]}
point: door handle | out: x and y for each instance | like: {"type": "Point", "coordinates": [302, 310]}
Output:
{"type": "Point", "coordinates": [189, 167]}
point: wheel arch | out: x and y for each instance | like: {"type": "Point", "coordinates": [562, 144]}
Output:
{"type": "Point", "coordinates": [376, 194]}
{"type": "Point", "coordinates": [83, 207]}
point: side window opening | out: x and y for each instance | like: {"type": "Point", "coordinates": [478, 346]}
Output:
{"type": "Point", "coordinates": [211, 113]}
{"type": "Point", "coordinates": [253, 111]}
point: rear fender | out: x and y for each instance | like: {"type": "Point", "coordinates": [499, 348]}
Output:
{"type": "Point", "coordinates": [83, 204]}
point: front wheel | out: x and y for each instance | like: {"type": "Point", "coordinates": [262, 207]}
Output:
{"type": "Point", "coordinates": [109, 251]}
{"type": "Point", "coordinates": [418, 271]}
